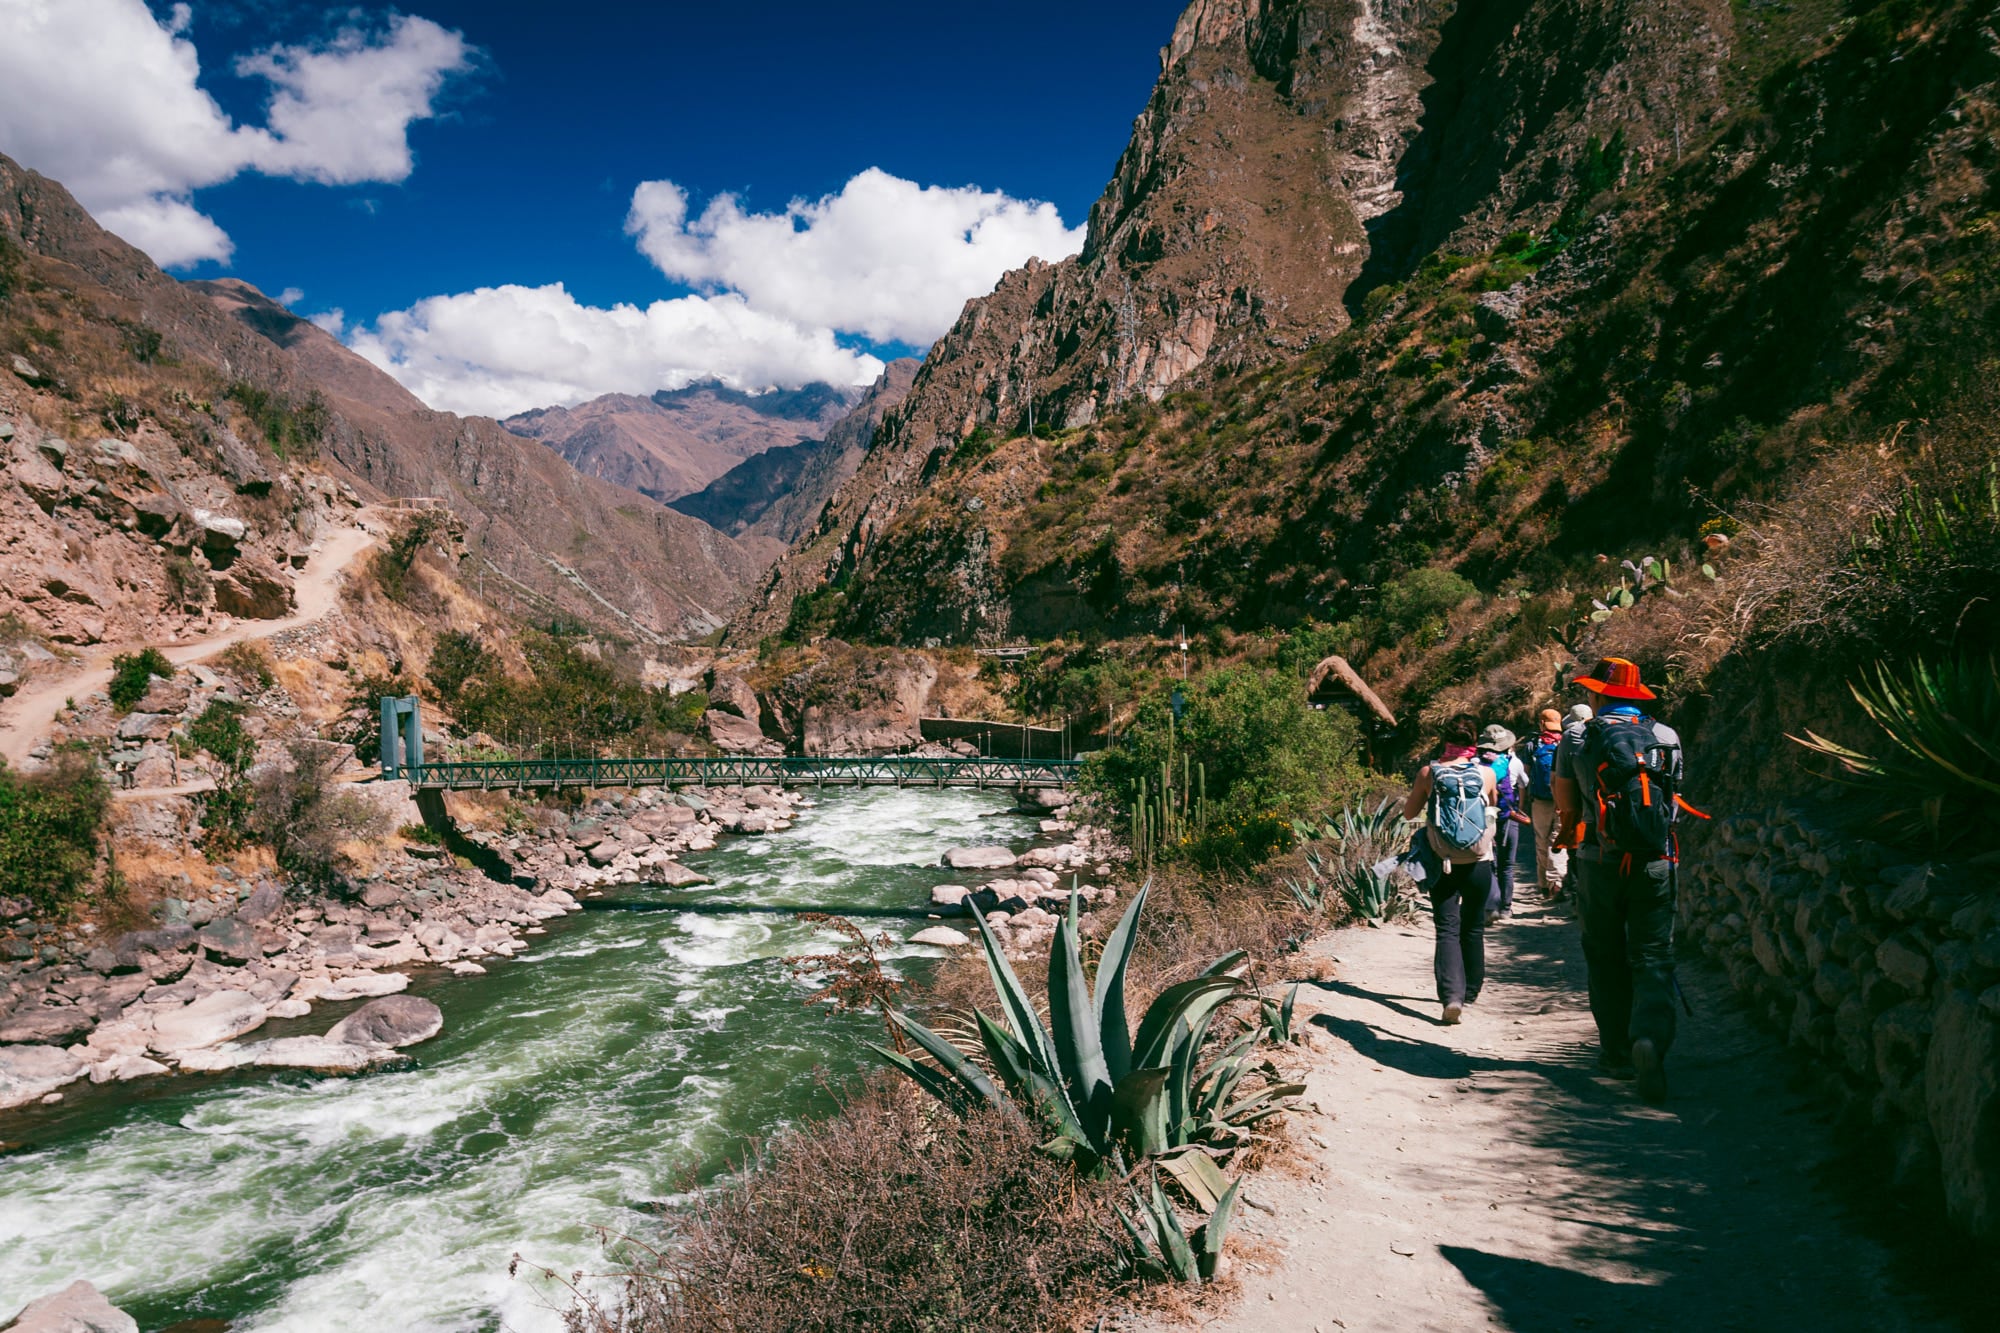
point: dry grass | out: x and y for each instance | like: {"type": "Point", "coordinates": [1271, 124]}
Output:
{"type": "Point", "coordinates": [887, 1217]}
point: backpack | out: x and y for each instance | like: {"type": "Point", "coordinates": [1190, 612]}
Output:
{"type": "Point", "coordinates": [1505, 782]}
{"type": "Point", "coordinates": [1636, 780]}
{"type": "Point", "coordinates": [1542, 772]}
{"type": "Point", "coordinates": [1457, 813]}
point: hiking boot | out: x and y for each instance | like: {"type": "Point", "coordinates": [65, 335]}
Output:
{"type": "Point", "coordinates": [1617, 1066]}
{"type": "Point", "coordinates": [1451, 1013]}
{"type": "Point", "coordinates": [1651, 1070]}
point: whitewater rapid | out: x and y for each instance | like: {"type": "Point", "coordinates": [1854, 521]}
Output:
{"type": "Point", "coordinates": [572, 1087]}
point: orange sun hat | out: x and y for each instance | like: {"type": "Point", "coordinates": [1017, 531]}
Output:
{"type": "Point", "coordinates": [1615, 678]}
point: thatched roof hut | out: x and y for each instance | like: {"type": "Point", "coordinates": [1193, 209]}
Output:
{"type": "Point", "coordinates": [1336, 683]}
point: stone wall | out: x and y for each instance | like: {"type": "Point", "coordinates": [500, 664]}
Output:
{"type": "Point", "coordinates": [1886, 973]}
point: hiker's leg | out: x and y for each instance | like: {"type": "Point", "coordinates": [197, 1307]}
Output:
{"type": "Point", "coordinates": [1472, 928]}
{"type": "Point", "coordinates": [1601, 903]}
{"type": "Point", "coordinates": [1550, 861]}
{"type": "Point", "coordinates": [1650, 951]}
{"type": "Point", "coordinates": [1447, 910]}
{"type": "Point", "coordinates": [1506, 847]}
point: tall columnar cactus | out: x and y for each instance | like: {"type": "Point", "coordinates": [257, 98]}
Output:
{"type": "Point", "coordinates": [1171, 808]}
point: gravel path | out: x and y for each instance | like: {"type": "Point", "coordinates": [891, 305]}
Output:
{"type": "Point", "coordinates": [1486, 1177]}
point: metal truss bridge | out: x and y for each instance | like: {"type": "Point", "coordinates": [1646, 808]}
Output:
{"type": "Point", "coordinates": [786, 771]}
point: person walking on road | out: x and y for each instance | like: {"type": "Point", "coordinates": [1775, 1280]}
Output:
{"type": "Point", "coordinates": [1456, 796]}
{"type": "Point", "coordinates": [1496, 751]}
{"type": "Point", "coordinates": [1617, 785]}
{"type": "Point", "coordinates": [1551, 861]}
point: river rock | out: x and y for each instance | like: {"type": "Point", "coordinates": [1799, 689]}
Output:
{"type": "Point", "coordinates": [364, 985]}
{"type": "Point", "coordinates": [979, 858]}
{"type": "Point", "coordinates": [209, 1021]}
{"type": "Point", "coordinates": [321, 1055]}
{"type": "Point", "coordinates": [77, 1308]}
{"type": "Point", "coordinates": [230, 940]}
{"type": "Point", "coordinates": [393, 1020]}
{"type": "Point", "coordinates": [290, 1008]}
{"type": "Point", "coordinates": [379, 895]}
{"type": "Point", "coordinates": [45, 1024]}
{"type": "Point", "coordinates": [732, 694]}
{"type": "Point", "coordinates": [949, 895]}
{"type": "Point", "coordinates": [121, 1068]}
{"type": "Point", "coordinates": [942, 936]}
{"type": "Point", "coordinates": [30, 1073]}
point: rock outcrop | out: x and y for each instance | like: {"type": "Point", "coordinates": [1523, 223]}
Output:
{"type": "Point", "coordinates": [77, 1308]}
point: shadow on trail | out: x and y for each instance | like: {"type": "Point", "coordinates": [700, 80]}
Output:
{"type": "Point", "coordinates": [1711, 1212]}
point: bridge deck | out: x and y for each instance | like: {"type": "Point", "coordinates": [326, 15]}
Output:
{"type": "Point", "coordinates": [787, 771]}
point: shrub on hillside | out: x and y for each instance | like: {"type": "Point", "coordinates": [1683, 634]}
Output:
{"type": "Point", "coordinates": [1264, 752]}
{"type": "Point", "coordinates": [49, 823]}
{"type": "Point", "coordinates": [1414, 605]}
{"type": "Point", "coordinates": [132, 675]}
{"type": "Point", "coordinates": [299, 812]}
{"type": "Point", "coordinates": [250, 663]}
{"type": "Point", "coordinates": [576, 703]}
{"type": "Point", "coordinates": [458, 659]}
{"type": "Point", "coordinates": [886, 1217]}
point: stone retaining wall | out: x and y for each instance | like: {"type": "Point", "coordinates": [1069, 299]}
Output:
{"type": "Point", "coordinates": [1887, 973]}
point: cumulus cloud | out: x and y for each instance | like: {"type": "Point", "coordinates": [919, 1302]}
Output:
{"type": "Point", "coordinates": [886, 258]}
{"type": "Point", "coordinates": [104, 97]}
{"type": "Point", "coordinates": [500, 350]}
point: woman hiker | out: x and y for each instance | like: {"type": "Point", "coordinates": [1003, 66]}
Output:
{"type": "Point", "coordinates": [1457, 795]}
{"type": "Point", "coordinates": [1551, 861]}
{"type": "Point", "coordinates": [1496, 751]}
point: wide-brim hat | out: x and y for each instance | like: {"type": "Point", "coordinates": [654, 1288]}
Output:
{"type": "Point", "coordinates": [1496, 739]}
{"type": "Point", "coordinates": [1616, 678]}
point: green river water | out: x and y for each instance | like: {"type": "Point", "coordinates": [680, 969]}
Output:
{"type": "Point", "coordinates": [569, 1088]}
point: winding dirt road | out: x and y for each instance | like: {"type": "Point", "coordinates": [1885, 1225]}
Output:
{"type": "Point", "coordinates": [26, 718]}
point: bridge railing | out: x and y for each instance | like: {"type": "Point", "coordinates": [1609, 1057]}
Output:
{"type": "Point", "coordinates": [743, 771]}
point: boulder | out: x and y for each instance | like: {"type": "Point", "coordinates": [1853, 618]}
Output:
{"type": "Point", "coordinates": [949, 895]}
{"type": "Point", "coordinates": [732, 694]}
{"type": "Point", "coordinates": [30, 1073]}
{"type": "Point", "coordinates": [321, 1055]}
{"type": "Point", "coordinates": [393, 1020]}
{"type": "Point", "coordinates": [674, 875]}
{"type": "Point", "coordinates": [45, 1024]}
{"type": "Point", "coordinates": [942, 936]}
{"type": "Point", "coordinates": [125, 1067]}
{"type": "Point", "coordinates": [219, 532]}
{"type": "Point", "coordinates": [264, 902]}
{"type": "Point", "coordinates": [979, 858]}
{"type": "Point", "coordinates": [146, 726]}
{"type": "Point", "coordinates": [1962, 1103]}
{"type": "Point", "coordinates": [230, 940]}
{"type": "Point", "coordinates": [211, 1020]}
{"type": "Point", "coordinates": [77, 1308]}
{"type": "Point", "coordinates": [365, 985]}
{"type": "Point", "coordinates": [733, 734]}
{"type": "Point", "coordinates": [36, 476]}
{"type": "Point", "coordinates": [254, 589]}
{"type": "Point", "coordinates": [379, 895]}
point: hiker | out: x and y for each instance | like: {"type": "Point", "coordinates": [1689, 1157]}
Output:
{"type": "Point", "coordinates": [1617, 784]}
{"type": "Point", "coordinates": [1456, 795]}
{"type": "Point", "coordinates": [1496, 751]}
{"type": "Point", "coordinates": [1551, 861]}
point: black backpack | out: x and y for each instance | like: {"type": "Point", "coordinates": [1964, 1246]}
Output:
{"type": "Point", "coordinates": [1636, 782]}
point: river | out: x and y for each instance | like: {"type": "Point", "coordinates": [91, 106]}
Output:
{"type": "Point", "coordinates": [570, 1086]}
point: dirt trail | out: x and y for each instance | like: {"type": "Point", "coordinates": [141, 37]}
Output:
{"type": "Point", "coordinates": [27, 717]}
{"type": "Point", "coordinates": [1486, 1177]}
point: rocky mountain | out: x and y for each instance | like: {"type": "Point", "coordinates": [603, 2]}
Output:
{"type": "Point", "coordinates": [1376, 285]}
{"type": "Point", "coordinates": [678, 441]}
{"type": "Point", "coordinates": [779, 494]}
{"type": "Point", "coordinates": [228, 380]}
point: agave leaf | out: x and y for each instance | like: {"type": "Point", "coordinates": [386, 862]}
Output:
{"type": "Point", "coordinates": [952, 1061]}
{"type": "Point", "coordinates": [1074, 1029]}
{"type": "Point", "coordinates": [1145, 1257]}
{"type": "Point", "coordinates": [1183, 1000]}
{"type": "Point", "coordinates": [953, 1094]}
{"type": "Point", "coordinates": [1215, 1231]}
{"type": "Point", "coordinates": [1285, 1011]}
{"type": "Point", "coordinates": [1139, 1110]}
{"type": "Point", "coordinates": [1196, 1172]}
{"type": "Point", "coordinates": [1114, 1032]}
{"type": "Point", "coordinates": [1227, 965]}
{"type": "Point", "coordinates": [1219, 1081]}
{"type": "Point", "coordinates": [1009, 1058]}
{"type": "Point", "coordinates": [1181, 1086]}
{"type": "Point", "coordinates": [1015, 1006]}
{"type": "Point", "coordinates": [1173, 1242]}
{"type": "Point", "coordinates": [1233, 1113]}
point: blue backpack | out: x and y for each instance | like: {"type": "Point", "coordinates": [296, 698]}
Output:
{"type": "Point", "coordinates": [1542, 772]}
{"type": "Point", "coordinates": [1458, 805]}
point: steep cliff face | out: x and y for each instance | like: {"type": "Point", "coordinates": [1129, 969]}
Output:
{"type": "Point", "coordinates": [1292, 153]}
{"type": "Point", "coordinates": [219, 366]}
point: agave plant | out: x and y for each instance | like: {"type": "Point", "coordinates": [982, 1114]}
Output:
{"type": "Point", "coordinates": [1368, 893]}
{"type": "Point", "coordinates": [1158, 1249]}
{"type": "Point", "coordinates": [1100, 1088]}
{"type": "Point", "coordinates": [1942, 724]}
{"type": "Point", "coordinates": [1278, 1017]}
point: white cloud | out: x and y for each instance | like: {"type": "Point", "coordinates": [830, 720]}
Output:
{"type": "Point", "coordinates": [885, 257]}
{"type": "Point", "coordinates": [334, 321]}
{"type": "Point", "coordinates": [291, 296]}
{"type": "Point", "coordinates": [104, 97]}
{"type": "Point", "coordinates": [500, 350]}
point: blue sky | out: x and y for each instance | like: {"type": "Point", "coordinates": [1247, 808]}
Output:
{"type": "Point", "coordinates": [450, 148]}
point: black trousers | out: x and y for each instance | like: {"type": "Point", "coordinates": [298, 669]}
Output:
{"type": "Point", "coordinates": [1506, 847]}
{"type": "Point", "coordinates": [1458, 910]}
{"type": "Point", "coordinates": [1628, 947]}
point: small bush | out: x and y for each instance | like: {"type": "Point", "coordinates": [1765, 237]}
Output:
{"type": "Point", "coordinates": [887, 1217]}
{"type": "Point", "coordinates": [132, 675]}
{"type": "Point", "coordinates": [250, 664]}
{"type": "Point", "coordinates": [302, 815]}
{"type": "Point", "coordinates": [49, 823]}
{"type": "Point", "coordinates": [220, 732]}
{"type": "Point", "coordinates": [457, 659]}
{"type": "Point", "coordinates": [1415, 604]}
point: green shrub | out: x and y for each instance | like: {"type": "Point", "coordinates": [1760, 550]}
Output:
{"type": "Point", "coordinates": [576, 704]}
{"type": "Point", "coordinates": [250, 664]}
{"type": "Point", "coordinates": [291, 429]}
{"type": "Point", "coordinates": [219, 731]}
{"type": "Point", "coordinates": [132, 675]}
{"type": "Point", "coordinates": [1414, 605]}
{"type": "Point", "coordinates": [457, 659]}
{"type": "Point", "coordinates": [49, 823]}
{"type": "Point", "coordinates": [1264, 751]}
